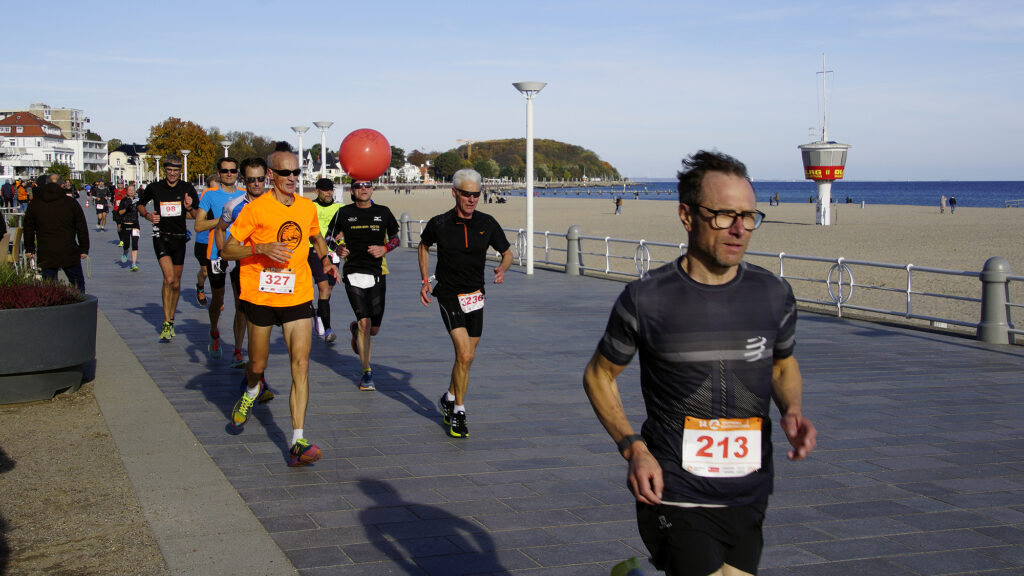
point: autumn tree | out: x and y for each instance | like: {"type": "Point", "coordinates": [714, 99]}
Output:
{"type": "Point", "coordinates": [174, 134]}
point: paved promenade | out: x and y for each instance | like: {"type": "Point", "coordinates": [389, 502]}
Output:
{"type": "Point", "coordinates": [919, 467]}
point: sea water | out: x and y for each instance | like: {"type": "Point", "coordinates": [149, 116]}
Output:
{"type": "Point", "coordinates": [967, 193]}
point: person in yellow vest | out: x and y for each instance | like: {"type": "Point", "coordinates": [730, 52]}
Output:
{"type": "Point", "coordinates": [325, 211]}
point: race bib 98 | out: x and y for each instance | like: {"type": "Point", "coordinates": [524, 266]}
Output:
{"type": "Point", "coordinates": [170, 209]}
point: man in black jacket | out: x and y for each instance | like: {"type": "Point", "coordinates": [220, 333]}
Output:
{"type": "Point", "coordinates": [55, 228]}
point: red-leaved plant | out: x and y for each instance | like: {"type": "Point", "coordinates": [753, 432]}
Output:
{"type": "Point", "coordinates": [21, 290]}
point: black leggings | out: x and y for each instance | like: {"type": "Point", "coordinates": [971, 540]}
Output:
{"type": "Point", "coordinates": [130, 241]}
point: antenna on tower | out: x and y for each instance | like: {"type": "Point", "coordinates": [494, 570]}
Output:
{"type": "Point", "coordinates": [824, 98]}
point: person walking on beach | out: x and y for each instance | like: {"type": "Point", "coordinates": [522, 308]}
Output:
{"type": "Point", "coordinates": [370, 231]}
{"type": "Point", "coordinates": [326, 210]}
{"type": "Point", "coordinates": [618, 205]}
{"type": "Point", "coordinates": [463, 236]}
{"type": "Point", "coordinates": [270, 237]}
{"type": "Point", "coordinates": [942, 204]}
{"type": "Point", "coordinates": [952, 204]}
{"type": "Point", "coordinates": [715, 337]}
{"type": "Point", "coordinates": [173, 202]}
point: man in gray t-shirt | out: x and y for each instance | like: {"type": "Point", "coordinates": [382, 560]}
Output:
{"type": "Point", "coordinates": [715, 337]}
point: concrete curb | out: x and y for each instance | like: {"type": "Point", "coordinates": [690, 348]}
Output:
{"type": "Point", "coordinates": [199, 520]}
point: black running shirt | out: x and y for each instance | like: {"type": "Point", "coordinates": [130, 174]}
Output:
{"type": "Point", "coordinates": [707, 352]}
{"type": "Point", "coordinates": [173, 198]}
{"type": "Point", "coordinates": [462, 249]}
{"type": "Point", "coordinates": [363, 227]}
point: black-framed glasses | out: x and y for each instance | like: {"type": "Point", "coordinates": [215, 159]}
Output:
{"type": "Point", "coordinates": [287, 173]}
{"type": "Point", "coordinates": [466, 194]}
{"type": "Point", "coordinates": [722, 219]}
{"type": "Point", "coordinates": [358, 185]}
{"type": "Point", "coordinates": [228, 170]}
{"type": "Point", "coordinates": [255, 180]}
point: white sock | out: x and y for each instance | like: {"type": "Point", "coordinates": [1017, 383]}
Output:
{"type": "Point", "coordinates": [296, 434]}
{"type": "Point", "coordinates": [252, 392]}
{"type": "Point", "coordinates": [459, 408]}
{"type": "Point", "coordinates": [449, 396]}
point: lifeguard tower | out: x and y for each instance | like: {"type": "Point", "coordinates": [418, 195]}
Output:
{"type": "Point", "coordinates": [824, 160]}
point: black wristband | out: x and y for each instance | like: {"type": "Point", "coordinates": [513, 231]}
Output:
{"type": "Point", "coordinates": [628, 441]}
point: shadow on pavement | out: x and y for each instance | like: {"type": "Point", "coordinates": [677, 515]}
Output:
{"type": "Point", "coordinates": [6, 465]}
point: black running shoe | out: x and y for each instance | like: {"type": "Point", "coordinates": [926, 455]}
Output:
{"type": "Point", "coordinates": [458, 427]}
{"type": "Point", "coordinates": [447, 406]}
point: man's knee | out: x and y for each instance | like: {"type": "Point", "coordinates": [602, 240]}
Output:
{"type": "Point", "coordinates": [465, 356]}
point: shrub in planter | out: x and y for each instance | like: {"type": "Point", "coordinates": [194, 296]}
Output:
{"type": "Point", "coordinates": [47, 337]}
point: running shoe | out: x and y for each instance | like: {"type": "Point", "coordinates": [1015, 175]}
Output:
{"type": "Point", "coordinates": [447, 407]}
{"type": "Point", "coordinates": [120, 244]}
{"type": "Point", "coordinates": [167, 332]}
{"type": "Point", "coordinates": [124, 258]}
{"type": "Point", "coordinates": [354, 329]}
{"type": "Point", "coordinates": [303, 453]}
{"type": "Point", "coordinates": [214, 346]}
{"type": "Point", "coordinates": [458, 427]}
{"type": "Point", "coordinates": [264, 395]}
{"type": "Point", "coordinates": [135, 267]}
{"type": "Point", "coordinates": [366, 383]}
{"type": "Point", "coordinates": [200, 296]}
{"type": "Point", "coordinates": [237, 361]}
{"type": "Point", "coordinates": [240, 413]}
{"type": "Point", "coordinates": [329, 335]}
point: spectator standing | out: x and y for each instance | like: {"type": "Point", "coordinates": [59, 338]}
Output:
{"type": "Point", "coordinates": [56, 232]}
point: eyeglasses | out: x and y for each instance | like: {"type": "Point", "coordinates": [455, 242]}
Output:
{"type": "Point", "coordinates": [722, 219]}
{"type": "Point", "coordinates": [358, 185]}
{"type": "Point", "coordinates": [468, 194]}
{"type": "Point", "coordinates": [228, 170]}
{"type": "Point", "coordinates": [287, 173]}
{"type": "Point", "coordinates": [256, 180]}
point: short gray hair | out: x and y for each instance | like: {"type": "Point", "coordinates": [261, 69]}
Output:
{"type": "Point", "coordinates": [465, 175]}
{"type": "Point", "coordinates": [172, 159]}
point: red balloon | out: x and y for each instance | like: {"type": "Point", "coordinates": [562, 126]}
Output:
{"type": "Point", "coordinates": [365, 154]}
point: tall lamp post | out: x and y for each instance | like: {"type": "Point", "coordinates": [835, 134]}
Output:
{"type": "Point", "coordinates": [225, 143]}
{"type": "Point", "coordinates": [323, 126]}
{"type": "Point", "coordinates": [529, 90]}
{"type": "Point", "coordinates": [185, 153]}
{"type": "Point", "coordinates": [300, 130]}
{"type": "Point", "coordinates": [156, 174]}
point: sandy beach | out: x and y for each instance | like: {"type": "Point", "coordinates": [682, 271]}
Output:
{"type": "Point", "coordinates": [891, 234]}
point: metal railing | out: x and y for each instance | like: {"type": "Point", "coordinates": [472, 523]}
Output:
{"type": "Point", "coordinates": [1014, 204]}
{"type": "Point", "coordinates": [905, 291]}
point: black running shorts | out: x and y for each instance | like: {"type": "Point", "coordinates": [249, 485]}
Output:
{"type": "Point", "coordinates": [368, 302]}
{"type": "Point", "coordinates": [454, 317]}
{"type": "Point", "coordinates": [316, 266]}
{"type": "Point", "coordinates": [199, 251]}
{"type": "Point", "coordinates": [698, 541]}
{"type": "Point", "coordinates": [272, 316]}
{"type": "Point", "coordinates": [173, 247]}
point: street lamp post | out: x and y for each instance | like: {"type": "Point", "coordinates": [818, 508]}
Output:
{"type": "Point", "coordinates": [529, 90]}
{"type": "Point", "coordinates": [156, 174]}
{"type": "Point", "coordinates": [185, 154]}
{"type": "Point", "coordinates": [300, 130]}
{"type": "Point", "coordinates": [323, 126]}
{"type": "Point", "coordinates": [225, 143]}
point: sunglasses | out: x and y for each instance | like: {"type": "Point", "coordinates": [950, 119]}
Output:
{"type": "Point", "coordinates": [468, 194]}
{"type": "Point", "coordinates": [258, 179]}
{"type": "Point", "coordinates": [358, 185]}
{"type": "Point", "coordinates": [287, 173]}
{"type": "Point", "coordinates": [228, 170]}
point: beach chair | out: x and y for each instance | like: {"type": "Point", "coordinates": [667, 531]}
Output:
{"type": "Point", "coordinates": [10, 253]}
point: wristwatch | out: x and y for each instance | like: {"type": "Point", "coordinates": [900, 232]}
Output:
{"type": "Point", "coordinates": [628, 441]}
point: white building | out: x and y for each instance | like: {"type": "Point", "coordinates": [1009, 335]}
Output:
{"type": "Point", "coordinates": [129, 164]}
{"type": "Point", "coordinates": [30, 144]}
{"type": "Point", "coordinates": [87, 155]}
{"type": "Point", "coordinates": [407, 173]}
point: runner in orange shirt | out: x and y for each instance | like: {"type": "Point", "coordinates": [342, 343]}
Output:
{"type": "Point", "coordinates": [269, 237]}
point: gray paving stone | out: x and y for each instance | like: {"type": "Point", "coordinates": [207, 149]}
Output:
{"type": "Point", "coordinates": [954, 562]}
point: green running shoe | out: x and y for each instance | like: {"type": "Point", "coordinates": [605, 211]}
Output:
{"type": "Point", "coordinates": [240, 413]}
{"type": "Point", "coordinates": [167, 332]}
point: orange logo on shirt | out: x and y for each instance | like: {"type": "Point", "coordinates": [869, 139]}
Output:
{"type": "Point", "coordinates": [290, 234]}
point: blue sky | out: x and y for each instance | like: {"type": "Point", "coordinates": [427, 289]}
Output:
{"type": "Point", "coordinates": [921, 90]}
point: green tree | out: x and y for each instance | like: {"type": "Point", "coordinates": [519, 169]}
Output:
{"type": "Point", "coordinates": [447, 164]}
{"type": "Point", "coordinates": [487, 168]}
{"type": "Point", "coordinates": [248, 145]}
{"type": "Point", "coordinates": [60, 168]}
{"type": "Point", "coordinates": [113, 144]}
{"type": "Point", "coordinates": [174, 134]}
{"type": "Point", "coordinates": [397, 157]}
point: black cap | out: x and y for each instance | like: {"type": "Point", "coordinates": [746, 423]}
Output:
{"type": "Point", "coordinates": [325, 184]}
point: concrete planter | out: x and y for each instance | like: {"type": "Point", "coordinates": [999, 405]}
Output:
{"type": "Point", "coordinates": [47, 350]}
